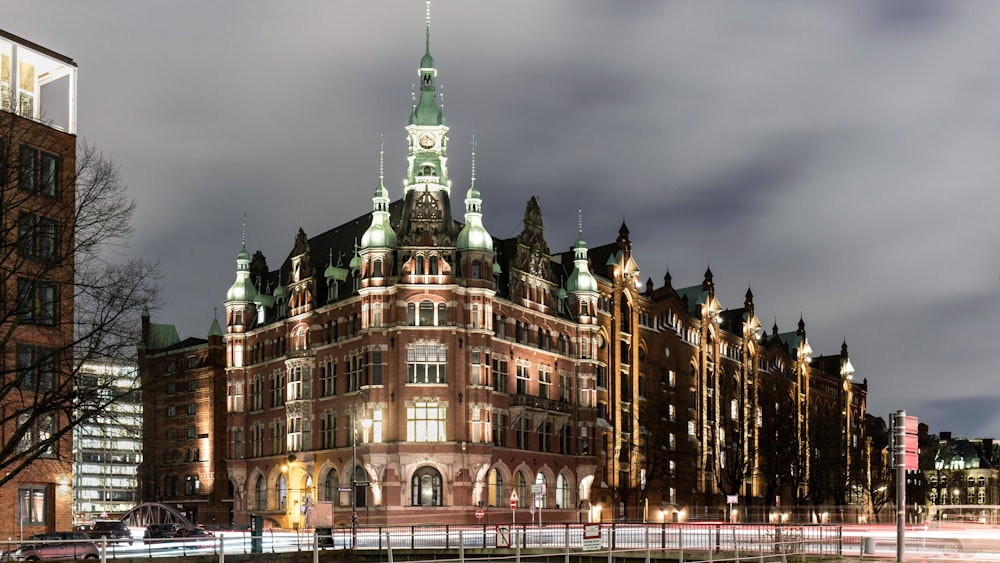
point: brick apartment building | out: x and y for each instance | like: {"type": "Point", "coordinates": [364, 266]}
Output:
{"type": "Point", "coordinates": [406, 367]}
{"type": "Point", "coordinates": [37, 160]}
{"type": "Point", "coordinates": [184, 408]}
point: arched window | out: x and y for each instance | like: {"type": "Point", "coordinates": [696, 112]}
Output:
{"type": "Point", "coordinates": [281, 491]}
{"type": "Point", "coordinates": [540, 499]}
{"type": "Point", "coordinates": [442, 315]}
{"type": "Point", "coordinates": [495, 489]}
{"type": "Point", "coordinates": [434, 266]}
{"type": "Point", "coordinates": [420, 265]}
{"type": "Point", "coordinates": [330, 487]}
{"type": "Point", "coordinates": [425, 487]}
{"type": "Point", "coordinates": [563, 499]}
{"type": "Point", "coordinates": [300, 338]}
{"type": "Point", "coordinates": [521, 486]}
{"type": "Point", "coordinates": [475, 273]}
{"type": "Point", "coordinates": [260, 494]}
{"type": "Point", "coordinates": [377, 269]}
{"type": "Point", "coordinates": [426, 313]}
{"type": "Point", "coordinates": [411, 314]}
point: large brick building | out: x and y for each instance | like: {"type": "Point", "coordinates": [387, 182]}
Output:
{"type": "Point", "coordinates": [408, 367]}
{"type": "Point", "coordinates": [184, 413]}
{"type": "Point", "coordinates": [37, 161]}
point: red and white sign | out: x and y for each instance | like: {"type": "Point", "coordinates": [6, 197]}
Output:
{"type": "Point", "coordinates": [480, 514]}
{"type": "Point", "coordinates": [503, 536]}
{"type": "Point", "coordinates": [591, 537]}
{"type": "Point", "coordinates": [905, 436]}
{"type": "Point", "coordinates": [513, 504]}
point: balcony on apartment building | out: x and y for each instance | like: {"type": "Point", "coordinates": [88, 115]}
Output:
{"type": "Point", "coordinates": [37, 83]}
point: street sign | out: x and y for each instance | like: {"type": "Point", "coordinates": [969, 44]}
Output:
{"type": "Point", "coordinates": [591, 537]}
{"type": "Point", "coordinates": [343, 489]}
{"type": "Point", "coordinates": [513, 504]}
{"type": "Point", "coordinates": [480, 514]}
{"type": "Point", "coordinates": [503, 536]}
{"type": "Point", "coordinates": [905, 437]}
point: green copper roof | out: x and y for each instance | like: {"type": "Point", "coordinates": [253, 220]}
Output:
{"type": "Point", "coordinates": [242, 289]}
{"type": "Point", "coordinates": [162, 335]}
{"type": "Point", "coordinates": [380, 233]}
{"type": "Point", "coordinates": [215, 329]}
{"type": "Point", "coordinates": [581, 279]}
{"type": "Point", "coordinates": [427, 111]}
{"type": "Point", "coordinates": [474, 235]}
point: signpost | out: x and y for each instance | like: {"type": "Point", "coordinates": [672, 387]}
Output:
{"type": "Point", "coordinates": [591, 537]}
{"type": "Point", "coordinates": [904, 455]}
{"type": "Point", "coordinates": [503, 536]}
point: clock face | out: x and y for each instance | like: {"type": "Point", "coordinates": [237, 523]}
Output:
{"type": "Point", "coordinates": [427, 141]}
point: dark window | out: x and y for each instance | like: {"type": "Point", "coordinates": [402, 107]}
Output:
{"type": "Point", "coordinates": [36, 367]}
{"type": "Point", "coordinates": [50, 175]}
{"type": "Point", "coordinates": [28, 177]}
{"type": "Point", "coordinates": [499, 429]}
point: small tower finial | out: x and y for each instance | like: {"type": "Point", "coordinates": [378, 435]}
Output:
{"type": "Point", "coordinates": [381, 159]}
{"type": "Point", "coordinates": [428, 26]}
{"type": "Point", "coordinates": [473, 143]}
{"type": "Point", "coordinates": [244, 229]}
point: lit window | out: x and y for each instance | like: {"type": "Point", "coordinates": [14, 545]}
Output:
{"type": "Point", "coordinates": [33, 505]}
{"type": "Point", "coordinates": [425, 422]}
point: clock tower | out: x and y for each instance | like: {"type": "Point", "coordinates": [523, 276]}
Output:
{"type": "Point", "coordinates": [426, 228]}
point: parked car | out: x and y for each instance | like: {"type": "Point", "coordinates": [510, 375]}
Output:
{"type": "Point", "coordinates": [114, 530]}
{"type": "Point", "coordinates": [57, 545]}
{"type": "Point", "coordinates": [160, 531]}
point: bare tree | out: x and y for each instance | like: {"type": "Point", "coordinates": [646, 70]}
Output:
{"type": "Point", "coordinates": [70, 293]}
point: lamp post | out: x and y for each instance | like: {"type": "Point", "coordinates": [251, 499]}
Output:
{"type": "Point", "coordinates": [354, 467]}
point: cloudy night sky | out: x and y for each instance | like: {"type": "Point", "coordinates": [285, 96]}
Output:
{"type": "Point", "coordinates": [837, 158]}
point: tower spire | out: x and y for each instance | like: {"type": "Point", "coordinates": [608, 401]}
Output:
{"type": "Point", "coordinates": [473, 143]}
{"type": "Point", "coordinates": [428, 26]}
{"type": "Point", "coordinates": [381, 160]}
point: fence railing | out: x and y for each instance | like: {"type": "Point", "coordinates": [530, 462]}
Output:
{"type": "Point", "coordinates": [690, 542]}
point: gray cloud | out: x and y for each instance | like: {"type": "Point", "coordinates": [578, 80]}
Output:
{"type": "Point", "coordinates": [837, 158]}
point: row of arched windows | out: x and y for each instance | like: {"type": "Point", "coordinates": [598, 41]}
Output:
{"type": "Point", "coordinates": [426, 489]}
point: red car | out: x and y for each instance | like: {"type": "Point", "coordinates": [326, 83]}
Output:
{"type": "Point", "coordinates": [57, 545]}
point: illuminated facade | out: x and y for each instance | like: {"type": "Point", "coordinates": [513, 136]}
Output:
{"type": "Point", "coordinates": [37, 161]}
{"type": "Point", "coordinates": [964, 475]}
{"type": "Point", "coordinates": [108, 449]}
{"type": "Point", "coordinates": [413, 368]}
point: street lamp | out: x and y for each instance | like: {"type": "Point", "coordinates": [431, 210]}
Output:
{"type": "Point", "coordinates": [354, 466]}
